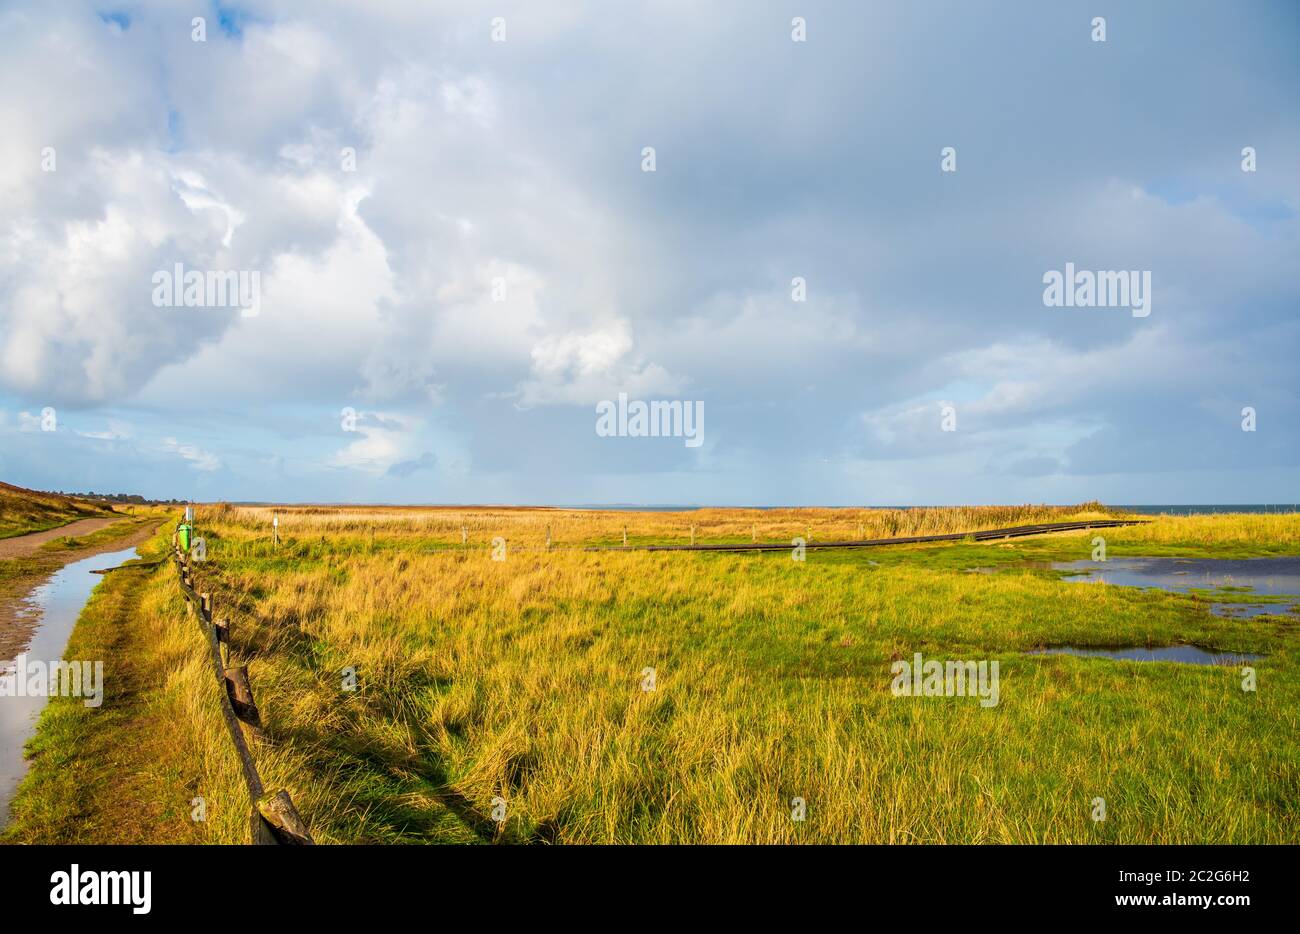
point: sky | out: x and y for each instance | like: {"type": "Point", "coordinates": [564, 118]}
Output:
{"type": "Point", "coordinates": [839, 256]}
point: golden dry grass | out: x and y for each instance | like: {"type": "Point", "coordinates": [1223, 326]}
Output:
{"type": "Point", "coordinates": [522, 682]}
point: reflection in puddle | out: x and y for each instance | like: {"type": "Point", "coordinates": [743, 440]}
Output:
{"type": "Point", "coordinates": [57, 603]}
{"type": "Point", "coordinates": [1188, 654]}
{"type": "Point", "coordinates": [1262, 576]}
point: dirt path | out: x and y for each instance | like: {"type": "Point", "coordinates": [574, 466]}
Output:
{"type": "Point", "coordinates": [25, 544]}
{"type": "Point", "coordinates": [16, 625]}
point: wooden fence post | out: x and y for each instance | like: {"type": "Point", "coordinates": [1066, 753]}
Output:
{"type": "Point", "coordinates": [273, 819]}
{"type": "Point", "coordinates": [283, 819]}
{"type": "Point", "coordinates": [241, 696]}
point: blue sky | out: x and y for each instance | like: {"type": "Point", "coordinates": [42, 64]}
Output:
{"type": "Point", "coordinates": [520, 162]}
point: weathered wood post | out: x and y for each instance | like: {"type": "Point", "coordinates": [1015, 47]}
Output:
{"type": "Point", "coordinates": [283, 820]}
{"type": "Point", "coordinates": [624, 536]}
{"type": "Point", "coordinates": [464, 535]}
{"type": "Point", "coordinates": [241, 696]}
{"type": "Point", "coordinates": [548, 537]}
{"type": "Point", "coordinates": [692, 535]}
{"type": "Point", "coordinates": [275, 530]}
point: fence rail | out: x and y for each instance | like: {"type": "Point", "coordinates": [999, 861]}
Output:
{"type": "Point", "coordinates": [273, 819]}
{"type": "Point", "coordinates": [986, 535]}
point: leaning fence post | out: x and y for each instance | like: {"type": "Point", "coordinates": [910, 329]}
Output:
{"type": "Point", "coordinates": [283, 820]}
{"type": "Point", "coordinates": [241, 696]}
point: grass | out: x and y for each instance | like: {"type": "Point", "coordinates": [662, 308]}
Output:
{"type": "Point", "coordinates": [23, 511]}
{"type": "Point", "coordinates": [17, 574]}
{"type": "Point", "coordinates": [521, 681]}
{"type": "Point", "coordinates": [80, 754]}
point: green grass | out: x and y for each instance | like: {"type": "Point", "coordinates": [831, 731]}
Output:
{"type": "Point", "coordinates": [25, 511]}
{"type": "Point", "coordinates": [81, 755]}
{"type": "Point", "coordinates": [17, 574]}
{"type": "Point", "coordinates": [522, 681]}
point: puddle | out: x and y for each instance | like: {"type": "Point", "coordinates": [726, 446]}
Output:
{"type": "Point", "coordinates": [1250, 610]}
{"type": "Point", "coordinates": [56, 604]}
{"type": "Point", "coordinates": [1262, 576]}
{"type": "Point", "coordinates": [1187, 654]}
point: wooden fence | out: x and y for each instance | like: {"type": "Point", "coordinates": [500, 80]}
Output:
{"type": "Point", "coordinates": [273, 819]}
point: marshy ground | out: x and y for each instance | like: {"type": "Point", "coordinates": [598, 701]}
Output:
{"type": "Point", "coordinates": [676, 697]}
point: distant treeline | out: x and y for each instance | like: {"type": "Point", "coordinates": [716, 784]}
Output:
{"type": "Point", "coordinates": [132, 498]}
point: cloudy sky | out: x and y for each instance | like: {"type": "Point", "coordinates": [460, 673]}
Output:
{"type": "Point", "coordinates": [127, 147]}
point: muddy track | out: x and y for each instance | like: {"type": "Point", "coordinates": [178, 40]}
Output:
{"type": "Point", "coordinates": [21, 545]}
{"type": "Point", "coordinates": [15, 626]}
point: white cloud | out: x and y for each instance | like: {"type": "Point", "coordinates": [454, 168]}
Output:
{"type": "Point", "coordinates": [198, 458]}
{"type": "Point", "coordinates": [384, 440]}
{"type": "Point", "coordinates": [582, 368]}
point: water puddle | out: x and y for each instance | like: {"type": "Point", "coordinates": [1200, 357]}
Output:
{"type": "Point", "coordinates": [56, 604]}
{"type": "Point", "coordinates": [1187, 654]}
{"type": "Point", "coordinates": [1238, 578]}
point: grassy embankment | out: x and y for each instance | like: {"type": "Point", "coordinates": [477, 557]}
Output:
{"type": "Point", "coordinates": [23, 511]}
{"type": "Point", "coordinates": [523, 680]}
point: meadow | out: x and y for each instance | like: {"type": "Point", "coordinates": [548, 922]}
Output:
{"type": "Point", "coordinates": [632, 697]}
